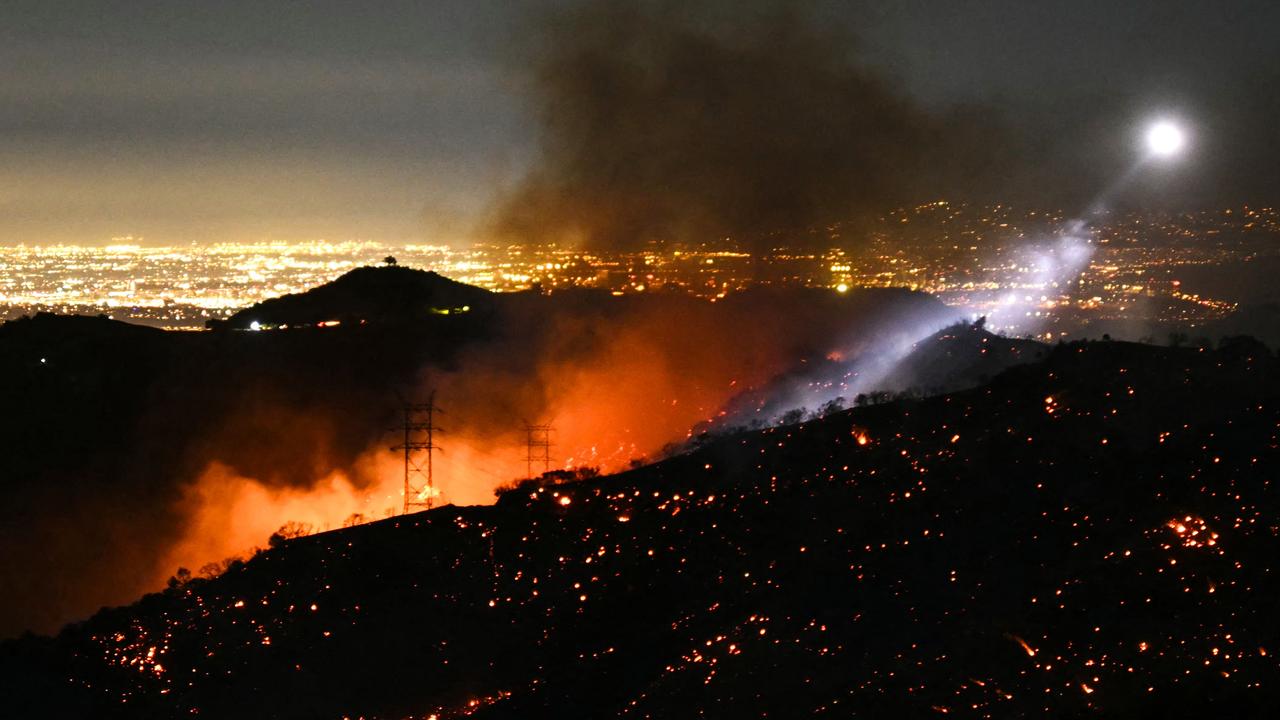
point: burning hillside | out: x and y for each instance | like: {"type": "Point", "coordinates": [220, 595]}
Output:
{"type": "Point", "coordinates": [220, 438]}
{"type": "Point", "coordinates": [1091, 533]}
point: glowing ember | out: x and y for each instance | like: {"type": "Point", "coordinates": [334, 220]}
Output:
{"type": "Point", "coordinates": [1031, 652]}
{"type": "Point", "coordinates": [1193, 532]}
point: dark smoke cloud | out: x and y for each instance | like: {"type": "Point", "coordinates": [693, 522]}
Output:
{"type": "Point", "coordinates": [663, 122]}
{"type": "Point", "coordinates": [759, 120]}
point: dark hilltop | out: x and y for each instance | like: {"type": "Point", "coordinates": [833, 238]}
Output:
{"type": "Point", "coordinates": [390, 294]}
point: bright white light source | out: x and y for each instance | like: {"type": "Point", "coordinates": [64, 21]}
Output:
{"type": "Point", "coordinates": [1165, 139]}
{"type": "Point", "coordinates": [255, 325]}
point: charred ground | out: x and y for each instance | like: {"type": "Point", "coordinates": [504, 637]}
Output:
{"type": "Point", "coordinates": [1093, 532]}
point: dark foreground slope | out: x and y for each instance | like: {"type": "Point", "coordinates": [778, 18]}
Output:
{"type": "Point", "coordinates": [1095, 533]}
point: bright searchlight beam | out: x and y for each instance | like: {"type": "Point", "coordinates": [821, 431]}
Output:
{"type": "Point", "coordinates": [1165, 139]}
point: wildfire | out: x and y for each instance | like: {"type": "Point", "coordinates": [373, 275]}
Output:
{"type": "Point", "coordinates": [677, 375]}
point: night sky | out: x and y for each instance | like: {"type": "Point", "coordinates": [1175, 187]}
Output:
{"type": "Point", "coordinates": [399, 121]}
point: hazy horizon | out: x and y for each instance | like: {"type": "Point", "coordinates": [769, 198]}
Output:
{"type": "Point", "coordinates": [238, 123]}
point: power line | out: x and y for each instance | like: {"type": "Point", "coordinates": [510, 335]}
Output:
{"type": "Point", "coordinates": [419, 448]}
{"type": "Point", "coordinates": [537, 446]}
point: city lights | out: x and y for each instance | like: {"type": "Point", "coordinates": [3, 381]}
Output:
{"type": "Point", "coordinates": [1018, 267]}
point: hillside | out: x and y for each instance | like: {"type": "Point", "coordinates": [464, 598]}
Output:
{"type": "Point", "coordinates": [1095, 532]}
{"type": "Point", "coordinates": [887, 361]}
{"type": "Point", "coordinates": [961, 356]}
{"type": "Point", "coordinates": [108, 422]}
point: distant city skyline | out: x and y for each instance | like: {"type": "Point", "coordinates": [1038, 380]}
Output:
{"type": "Point", "coordinates": [1132, 275]}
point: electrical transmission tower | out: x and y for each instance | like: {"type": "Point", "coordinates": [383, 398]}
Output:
{"type": "Point", "coordinates": [538, 446]}
{"type": "Point", "coordinates": [419, 446]}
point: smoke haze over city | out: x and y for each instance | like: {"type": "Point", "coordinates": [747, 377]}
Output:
{"type": "Point", "coordinates": [243, 122]}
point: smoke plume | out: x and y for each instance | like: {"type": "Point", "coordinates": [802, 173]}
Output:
{"type": "Point", "coordinates": [661, 122]}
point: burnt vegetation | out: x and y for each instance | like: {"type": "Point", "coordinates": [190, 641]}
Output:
{"type": "Point", "coordinates": [1095, 531]}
